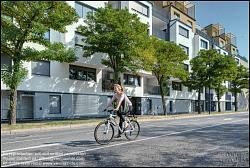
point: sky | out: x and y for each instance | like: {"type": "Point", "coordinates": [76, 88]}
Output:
{"type": "Point", "coordinates": [233, 15]}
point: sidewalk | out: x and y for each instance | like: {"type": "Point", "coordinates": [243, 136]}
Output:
{"type": "Point", "coordinates": [68, 124]}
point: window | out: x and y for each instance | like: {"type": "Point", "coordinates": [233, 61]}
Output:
{"type": "Point", "coordinates": [189, 89]}
{"type": "Point", "coordinates": [221, 44]}
{"type": "Point", "coordinates": [131, 80]}
{"type": "Point", "coordinates": [176, 16]}
{"type": "Point", "coordinates": [237, 61]}
{"type": "Point", "coordinates": [140, 8]}
{"type": "Point", "coordinates": [186, 67]}
{"type": "Point", "coordinates": [40, 68]}
{"type": "Point", "coordinates": [176, 86]}
{"type": "Point", "coordinates": [5, 60]}
{"type": "Point", "coordinates": [183, 31]}
{"type": "Point", "coordinates": [47, 35]}
{"type": "Point", "coordinates": [55, 104]}
{"type": "Point", "coordinates": [186, 49]}
{"type": "Point", "coordinates": [107, 80]}
{"type": "Point", "coordinates": [82, 9]}
{"type": "Point", "coordinates": [190, 23]}
{"type": "Point", "coordinates": [79, 39]}
{"type": "Point", "coordinates": [203, 44]}
{"type": "Point", "coordinates": [82, 73]}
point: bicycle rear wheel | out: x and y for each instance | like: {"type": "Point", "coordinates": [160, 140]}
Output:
{"type": "Point", "coordinates": [104, 133]}
{"type": "Point", "coordinates": [132, 130]}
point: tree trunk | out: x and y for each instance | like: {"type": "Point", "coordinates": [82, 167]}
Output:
{"type": "Point", "coordinates": [12, 111]}
{"type": "Point", "coordinates": [117, 77]}
{"type": "Point", "coordinates": [13, 91]}
{"type": "Point", "coordinates": [199, 102]}
{"type": "Point", "coordinates": [163, 100]}
{"type": "Point", "coordinates": [218, 97]}
{"type": "Point", "coordinates": [235, 102]}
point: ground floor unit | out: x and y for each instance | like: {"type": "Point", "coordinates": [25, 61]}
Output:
{"type": "Point", "coordinates": [54, 105]}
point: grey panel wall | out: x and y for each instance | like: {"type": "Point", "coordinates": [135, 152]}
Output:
{"type": "Point", "coordinates": [4, 105]}
{"type": "Point", "coordinates": [157, 106]}
{"type": "Point", "coordinates": [179, 106]}
{"type": "Point", "coordinates": [85, 105]}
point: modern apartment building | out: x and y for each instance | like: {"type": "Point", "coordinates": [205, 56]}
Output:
{"type": "Point", "coordinates": [82, 89]}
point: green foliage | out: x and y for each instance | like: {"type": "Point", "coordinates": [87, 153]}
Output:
{"type": "Point", "coordinates": [55, 51]}
{"type": "Point", "coordinates": [28, 21]}
{"type": "Point", "coordinates": [117, 33]}
{"type": "Point", "coordinates": [12, 79]}
{"type": "Point", "coordinates": [239, 82]}
{"type": "Point", "coordinates": [165, 60]}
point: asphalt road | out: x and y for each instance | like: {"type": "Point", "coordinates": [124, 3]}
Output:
{"type": "Point", "coordinates": [192, 142]}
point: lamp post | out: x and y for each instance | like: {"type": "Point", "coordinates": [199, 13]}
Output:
{"type": "Point", "coordinates": [209, 88]}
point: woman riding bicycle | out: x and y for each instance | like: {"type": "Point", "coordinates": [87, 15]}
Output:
{"type": "Point", "coordinates": [122, 100]}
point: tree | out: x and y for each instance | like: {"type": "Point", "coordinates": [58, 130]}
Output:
{"type": "Point", "coordinates": [239, 82]}
{"type": "Point", "coordinates": [223, 69]}
{"type": "Point", "coordinates": [196, 82]}
{"type": "Point", "coordinates": [117, 33]}
{"type": "Point", "coordinates": [28, 21]}
{"type": "Point", "coordinates": [199, 73]}
{"type": "Point", "coordinates": [165, 60]}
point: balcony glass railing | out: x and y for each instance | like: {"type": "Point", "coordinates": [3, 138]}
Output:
{"type": "Point", "coordinates": [152, 90]}
{"type": "Point", "coordinates": [160, 34]}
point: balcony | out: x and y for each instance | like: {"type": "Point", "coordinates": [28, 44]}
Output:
{"type": "Point", "coordinates": [152, 90]}
{"type": "Point", "coordinates": [215, 30]}
{"type": "Point", "coordinates": [184, 6]}
{"type": "Point", "coordinates": [230, 38]}
{"type": "Point", "coordinates": [160, 34]}
{"type": "Point", "coordinates": [160, 13]}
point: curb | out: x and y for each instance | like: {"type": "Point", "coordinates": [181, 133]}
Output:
{"type": "Point", "coordinates": [15, 131]}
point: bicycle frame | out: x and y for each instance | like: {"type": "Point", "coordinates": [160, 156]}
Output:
{"type": "Point", "coordinates": [111, 120]}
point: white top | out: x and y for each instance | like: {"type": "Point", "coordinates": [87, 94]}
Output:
{"type": "Point", "coordinates": [120, 99]}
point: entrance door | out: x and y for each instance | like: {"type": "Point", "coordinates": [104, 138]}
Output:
{"type": "Point", "coordinates": [27, 107]}
{"type": "Point", "coordinates": [149, 106]}
{"type": "Point", "coordinates": [136, 102]}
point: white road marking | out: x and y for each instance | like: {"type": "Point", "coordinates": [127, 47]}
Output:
{"type": "Point", "coordinates": [139, 140]}
{"type": "Point", "coordinates": [226, 119]}
{"type": "Point", "coordinates": [44, 137]}
{"type": "Point", "coordinates": [3, 153]}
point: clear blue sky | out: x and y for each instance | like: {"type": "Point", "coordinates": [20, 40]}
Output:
{"type": "Point", "coordinates": [233, 15]}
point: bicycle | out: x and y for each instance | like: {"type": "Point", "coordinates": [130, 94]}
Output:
{"type": "Point", "coordinates": [104, 131]}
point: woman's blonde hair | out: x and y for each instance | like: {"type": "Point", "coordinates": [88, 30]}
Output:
{"type": "Point", "coordinates": [119, 87]}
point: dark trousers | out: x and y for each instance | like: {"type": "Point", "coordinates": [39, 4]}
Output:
{"type": "Point", "coordinates": [122, 119]}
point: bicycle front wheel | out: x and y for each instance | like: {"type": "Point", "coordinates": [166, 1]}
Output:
{"type": "Point", "coordinates": [133, 130]}
{"type": "Point", "coordinates": [104, 133]}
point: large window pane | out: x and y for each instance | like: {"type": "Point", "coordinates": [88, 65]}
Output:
{"type": "Point", "coordinates": [55, 104]}
{"type": "Point", "coordinates": [176, 86]}
{"type": "Point", "coordinates": [82, 73]}
{"type": "Point", "coordinates": [186, 49]}
{"type": "Point", "coordinates": [83, 9]}
{"type": "Point", "coordinates": [140, 8]}
{"type": "Point", "coordinates": [5, 60]}
{"type": "Point", "coordinates": [78, 9]}
{"type": "Point", "coordinates": [132, 80]}
{"type": "Point", "coordinates": [40, 68]}
{"type": "Point", "coordinates": [184, 32]}
{"type": "Point", "coordinates": [203, 44]}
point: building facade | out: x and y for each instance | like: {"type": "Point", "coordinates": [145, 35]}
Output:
{"type": "Point", "coordinates": [55, 90]}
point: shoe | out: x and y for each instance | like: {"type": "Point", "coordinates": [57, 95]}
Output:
{"type": "Point", "coordinates": [117, 136]}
